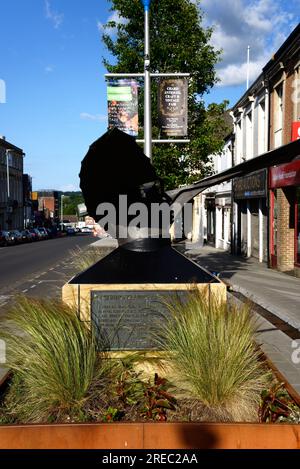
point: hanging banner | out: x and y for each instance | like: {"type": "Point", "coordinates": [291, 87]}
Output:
{"type": "Point", "coordinates": [122, 97]}
{"type": "Point", "coordinates": [172, 107]}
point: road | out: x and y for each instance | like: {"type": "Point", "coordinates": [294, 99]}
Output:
{"type": "Point", "coordinates": [38, 269]}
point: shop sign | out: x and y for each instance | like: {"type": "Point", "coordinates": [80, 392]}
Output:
{"type": "Point", "coordinates": [285, 175]}
{"type": "Point", "coordinates": [295, 131]}
{"type": "Point", "coordinates": [172, 107]}
{"type": "Point", "coordinates": [251, 186]}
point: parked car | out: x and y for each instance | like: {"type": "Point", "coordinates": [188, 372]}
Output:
{"type": "Point", "coordinates": [43, 232]}
{"type": "Point", "coordinates": [52, 232]}
{"type": "Point", "coordinates": [12, 238]}
{"type": "Point", "coordinates": [36, 234]}
{"type": "Point", "coordinates": [86, 229]}
{"type": "Point", "coordinates": [71, 231]}
{"type": "Point", "coordinates": [5, 238]}
{"type": "Point", "coordinates": [26, 236]}
{"type": "Point", "coordinates": [17, 236]}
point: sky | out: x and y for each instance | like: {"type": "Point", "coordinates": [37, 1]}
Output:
{"type": "Point", "coordinates": [53, 104]}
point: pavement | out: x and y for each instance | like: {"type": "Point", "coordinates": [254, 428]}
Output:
{"type": "Point", "coordinates": [273, 291]}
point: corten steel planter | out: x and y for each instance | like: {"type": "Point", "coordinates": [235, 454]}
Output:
{"type": "Point", "coordinates": [151, 436]}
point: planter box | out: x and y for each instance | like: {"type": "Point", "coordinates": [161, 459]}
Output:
{"type": "Point", "coordinates": [151, 436]}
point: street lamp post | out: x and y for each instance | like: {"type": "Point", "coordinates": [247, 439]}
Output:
{"type": "Point", "coordinates": [147, 75]}
{"type": "Point", "coordinates": [147, 89]}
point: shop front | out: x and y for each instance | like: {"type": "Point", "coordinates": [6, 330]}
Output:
{"type": "Point", "coordinates": [223, 221]}
{"type": "Point", "coordinates": [210, 207]}
{"type": "Point", "coordinates": [284, 184]}
{"type": "Point", "coordinates": [251, 215]}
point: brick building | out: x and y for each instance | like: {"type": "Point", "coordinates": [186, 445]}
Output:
{"type": "Point", "coordinates": [282, 73]}
{"type": "Point", "coordinates": [46, 206]}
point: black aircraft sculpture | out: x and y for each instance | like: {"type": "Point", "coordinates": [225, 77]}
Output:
{"type": "Point", "coordinates": [115, 166]}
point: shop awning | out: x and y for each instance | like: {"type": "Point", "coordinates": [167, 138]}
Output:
{"type": "Point", "coordinates": [280, 155]}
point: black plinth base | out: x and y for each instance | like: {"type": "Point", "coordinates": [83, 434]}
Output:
{"type": "Point", "coordinates": [165, 265]}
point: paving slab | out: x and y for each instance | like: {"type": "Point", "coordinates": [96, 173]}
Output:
{"type": "Point", "coordinates": [276, 292]}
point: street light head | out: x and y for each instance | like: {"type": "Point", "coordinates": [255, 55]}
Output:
{"type": "Point", "coordinates": [146, 4]}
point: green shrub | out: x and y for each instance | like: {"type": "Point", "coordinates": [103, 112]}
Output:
{"type": "Point", "coordinates": [54, 361]}
{"type": "Point", "coordinates": [214, 356]}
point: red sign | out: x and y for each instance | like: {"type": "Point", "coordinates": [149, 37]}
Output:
{"type": "Point", "coordinates": [285, 175]}
{"type": "Point", "coordinates": [295, 131]}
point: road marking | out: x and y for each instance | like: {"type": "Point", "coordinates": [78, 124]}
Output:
{"type": "Point", "coordinates": [52, 268]}
{"type": "Point", "coordinates": [24, 291]}
{"type": "Point", "coordinates": [4, 299]}
{"type": "Point", "coordinates": [33, 286]}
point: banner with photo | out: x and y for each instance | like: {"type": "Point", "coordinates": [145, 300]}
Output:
{"type": "Point", "coordinates": [173, 107]}
{"type": "Point", "coordinates": [122, 98]}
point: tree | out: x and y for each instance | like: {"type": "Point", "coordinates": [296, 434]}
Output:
{"type": "Point", "coordinates": [179, 43]}
{"type": "Point", "coordinates": [71, 201]}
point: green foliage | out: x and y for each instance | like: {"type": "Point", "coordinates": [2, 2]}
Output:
{"type": "Point", "coordinates": [179, 43]}
{"type": "Point", "coordinates": [277, 406]}
{"type": "Point", "coordinates": [54, 361]}
{"type": "Point", "coordinates": [129, 388]}
{"type": "Point", "coordinates": [214, 356]}
{"type": "Point", "coordinates": [157, 399]}
{"type": "Point", "coordinates": [113, 415]}
{"type": "Point", "coordinates": [70, 201]}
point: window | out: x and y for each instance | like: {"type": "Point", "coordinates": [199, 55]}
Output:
{"type": "Point", "coordinates": [261, 127]}
{"type": "Point", "coordinates": [278, 115]}
{"type": "Point", "coordinates": [239, 142]}
{"type": "Point", "coordinates": [249, 136]}
{"type": "Point", "coordinates": [296, 94]}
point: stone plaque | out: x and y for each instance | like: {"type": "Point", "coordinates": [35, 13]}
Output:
{"type": "Point", "coordinates": [126, 320]}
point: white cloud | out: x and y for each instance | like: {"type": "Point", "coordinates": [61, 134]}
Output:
{"type": "Point", "coordinates": [93, 117]}
{"type": "Point", "coordinates": [49, 69]}
{"type": "Point", "coordinates": [236, 74]}
{"type": "Point", "coordinates": [116, 18]}
{"type": "Point", "coordinates": [261, 24]}
{"type": "Point", "coordinates": [55, 17]}
{"type": "Point", "coordinates": [69, 188]}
